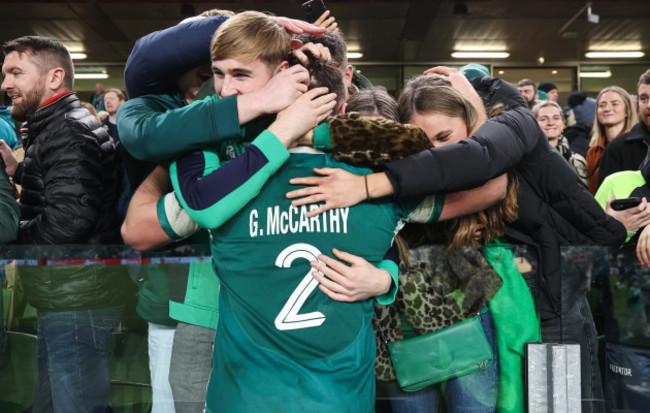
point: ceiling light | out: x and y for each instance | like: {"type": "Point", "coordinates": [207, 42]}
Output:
{"type": "Point", "coordinates": [76, 56]}
{"type": "Point", "coordinates": [91, 75]}
{"type": "Point", "coordinates": [614, 55]}
{"type": "Point", "coordinates": [355, 55]}
{"type": "Point", "coordinates": [479, 55]}
{"type": "Point", "coordinates": [600, 75]}
{"type": "Point", "coordinates": [501, 72]}
{"type": "Point", "coordinates": [554, 72]}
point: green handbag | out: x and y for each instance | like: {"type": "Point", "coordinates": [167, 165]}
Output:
{"type": "Point", "coordinates": [453, 351]}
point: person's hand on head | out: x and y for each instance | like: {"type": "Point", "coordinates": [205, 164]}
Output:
{"type": "Point", "coordinates": [458, 81]}
{"type": "Point", "coordinates": [303, 115]}
{"type": "Point", "coordinates": [315, 49]}
{"type": "Point", "coordinates": [354, 279]}
{"type": "Point", "coordinates": [282, 90]}
{"type": "Point", "coordinates": [328, 22]}
{"type": "Point", "coordinates": [633, 218]}
{"type": "Point", "coordinates": [11, 163]}
{"type": "Point", "coordinates": [296, 26]}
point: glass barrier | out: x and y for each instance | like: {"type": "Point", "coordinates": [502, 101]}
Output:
{"type": "Point", "coordinates": [608, 286]}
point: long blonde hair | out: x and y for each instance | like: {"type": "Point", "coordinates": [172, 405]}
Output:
{"type": "Point", "coordinates": [426, 94]}
{"type": "Point", "coordinates": [598, 129]}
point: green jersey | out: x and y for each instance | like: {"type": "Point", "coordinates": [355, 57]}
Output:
{"type": "Point", "coordinates": [282, 345]}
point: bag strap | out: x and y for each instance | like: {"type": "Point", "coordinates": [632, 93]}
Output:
{"type": "Point", "coordinates": [385, 340]}
{"type": "Point", "coordinates": [381, 331]}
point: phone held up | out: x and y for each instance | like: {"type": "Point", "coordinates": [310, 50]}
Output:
{"type": "Point", "coordinates": [313, 9]}
{"type": "Point", "coordinates": [625, 203]}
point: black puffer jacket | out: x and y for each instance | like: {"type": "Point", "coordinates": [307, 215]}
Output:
{"type": "Point", "coordinates": [625, 153]}
{"type": "Point", "coordinates": [68, 196]}
{"type": "Point", "coordinates": [554, 208]}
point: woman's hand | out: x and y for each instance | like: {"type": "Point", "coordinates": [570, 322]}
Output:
{"type": "Point", "coordinates": [633, 218]}
{"type": "Point", "coordinates": [296, 26]}
{"type": "Point", "coordinates": [327, 21]}
{"type": "Point", "coordinates": [355, 279]}
{"type": "Point", "coordinates": [304, 114]}
{"type": "Point", "coordinates": [337, 188]}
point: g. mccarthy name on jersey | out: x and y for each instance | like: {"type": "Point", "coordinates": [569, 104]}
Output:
{"type": "Point", "coordinates": [294, 220]}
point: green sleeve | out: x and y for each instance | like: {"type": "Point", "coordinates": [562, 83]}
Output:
{"type": "Point", "coordinates": [196, 185]}
{"type": "Point", "coordinates": [393, 270]}
{"type": "Point", "coordinates": [322, 137]}
{"type": "Point", "coordinates": [159, 127]}
{"type": "Point", "coordinates": [428, 210]}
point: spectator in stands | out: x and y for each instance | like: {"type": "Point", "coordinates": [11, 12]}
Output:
{"type": "Point", "coordinates": [614, 117]}
{"type": "Point", "coordinates": [528, 90]}
{"type": "Point", "coordinates": [97, 99]}
{"type": "Point", "coordinates": [580, 114]}
{"type": "Point", "coordinates": [628, 152]}
{"type": "Point", "coordinates": [550, 89]}
{"type": "Point", "coordinates": [113, 99]}
{"type": "Point", "coordinates": [549, 117]}
{"type": "Point", "coordinates": [68, 197]}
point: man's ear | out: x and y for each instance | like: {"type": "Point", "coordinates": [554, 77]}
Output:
{"type": "Point", "coordinates": [282, 66]}
{"type": "Point", "coordinates": [55, 78]}
{"type": "Point", "coordinates": [344, 107]}
{"type": "Point", "coordinates": [349, 71]}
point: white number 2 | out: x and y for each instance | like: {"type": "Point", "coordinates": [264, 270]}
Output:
{"type": "Point", "coordinates": [289, 319]}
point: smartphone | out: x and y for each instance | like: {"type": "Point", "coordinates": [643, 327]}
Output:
{"type": "Point", "coordinates": [313, 9]}
{"type": "Point", "coordinates": [625, 203]}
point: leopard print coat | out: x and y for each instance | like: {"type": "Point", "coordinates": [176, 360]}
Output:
{"type": "Point", "coordinates": [437, 287]}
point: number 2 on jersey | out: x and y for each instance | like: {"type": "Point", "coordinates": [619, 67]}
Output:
{"type": "Point", "coordinates": [289, 318]}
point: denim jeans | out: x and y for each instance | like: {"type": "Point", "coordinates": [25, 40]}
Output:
{"type": "Point", "coordinates": [72, 355]}
{"type": "Point", "coordinates": [576, 326]}
{"type": "Point", "coordinates": [472, 393]}
{"type": "Point", "coordinates": [191, 366]}
{"type": "Point", "coordinates": [160, 342]}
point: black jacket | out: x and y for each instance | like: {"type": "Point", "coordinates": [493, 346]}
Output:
{"type": "Point", "coordinates": [578, 136]}
{"type": "Point", "coordinates": [68, 196]}
{"type": "Point", "coordinates": [554, 208]}
{"type": "Point", "coordinates": [625, 153]}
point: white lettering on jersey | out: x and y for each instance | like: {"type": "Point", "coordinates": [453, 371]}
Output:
{"type": "Point", "coordinates": [294, 220]}
{"type": "Point", "coordinates": [289, 317]}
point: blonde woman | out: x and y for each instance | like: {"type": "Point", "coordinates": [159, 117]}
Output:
{"type": "Point", "coordinates": [615, 116]}
{"type": "Point", "coordinates": [549, 117]}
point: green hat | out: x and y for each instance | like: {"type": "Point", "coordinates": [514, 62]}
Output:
{"type": "Point", "coordinates": [474, 70]}
{"type": "Point", "coordinates": [542, 95]}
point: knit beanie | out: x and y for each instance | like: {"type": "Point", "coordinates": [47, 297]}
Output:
{"type": "Point", "coordinates": [546, 87]}
{"type": "Point", "coordinates": [584, 108]}
{"type": "Point", "coordinates": [474, 70]}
